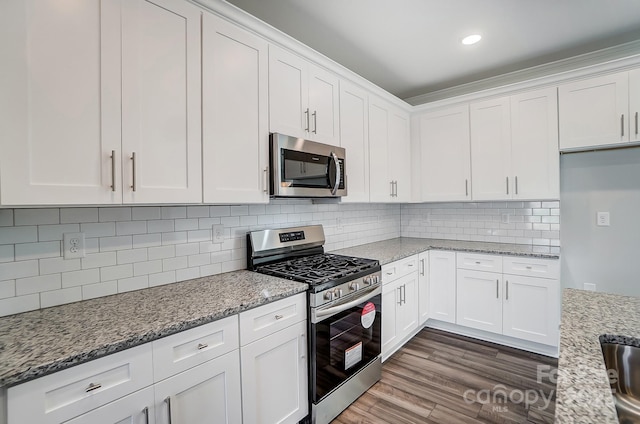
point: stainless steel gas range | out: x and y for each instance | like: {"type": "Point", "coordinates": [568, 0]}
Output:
{"type": "Point", "coordinates": [345, 316]}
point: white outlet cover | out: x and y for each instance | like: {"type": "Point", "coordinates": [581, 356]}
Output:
{"type": "Point", "coordinates": [218, 233]}
{"type": "Point", "coordinates": [73, 245]}
{"type": "Point", "coordinates": [603, 219]}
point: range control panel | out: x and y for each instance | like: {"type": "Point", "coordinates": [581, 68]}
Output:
{"type": "Point", "coordinates": [291, 236]}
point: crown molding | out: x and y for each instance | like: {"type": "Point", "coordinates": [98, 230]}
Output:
{"type": "Point", "coordinates": [274, 36]}
{"type": "Point", "coordinates": [616, 58]}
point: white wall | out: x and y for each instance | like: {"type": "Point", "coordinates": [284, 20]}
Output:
{"type": "Point", "coordinates": [130, 248]}
{"type": "Point", "coordinates": [608, 257]}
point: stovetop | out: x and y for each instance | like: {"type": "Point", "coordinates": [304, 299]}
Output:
{"type": "Point", "coordinates": [319, 269]}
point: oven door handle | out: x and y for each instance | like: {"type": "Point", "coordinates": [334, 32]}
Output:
{"type": "Point", "coordinates": [368, 294]}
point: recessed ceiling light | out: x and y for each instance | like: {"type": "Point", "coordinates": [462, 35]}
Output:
{"type": "Point", "coordinates": [471, 39]}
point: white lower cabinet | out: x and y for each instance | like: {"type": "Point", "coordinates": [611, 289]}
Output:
{"type": "Point", "coordinates": [442, 285]}
{"type": "Point", "coordinates": [478, 300]}
{"type": "Point", "coordinates": [274, 377]}
{"type": "Point", "coordinates": [399, 303]}
{"type": "Point", "coordinates": [126, 410]}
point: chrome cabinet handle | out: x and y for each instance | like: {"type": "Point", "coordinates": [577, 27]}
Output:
{"type": "Point", "coordinates": [516, 184]}
{"type": "Point", "coordinates": [507, 289]}
{"type": "Point", "coordinates": [93, 386]}
{"type": "Point", "coordinates": [302, 346]}
{"type": "Point", "coordinates": [202, 346]}
{"type": "Point", "coordinates": [622, 125]}
{"type": "Point", "coordinates": [315, 122]}
{"type": "Point", "coordinates": [133, 166]}
{"type": "Point", "coordinates": [422, 268]}
{"type": "Point", "coordinates": [167, 400]}
{"type": "Point", "coordinates": [400, 295]}
{"type": "Point", "coordinates": [306, 112]}
{"type": "Point", "coordinates": [279, 316]}
{"type": "Point", "coordinates": [466, 187]}
{"type": "Point", "coordinates": [113, 170]}
{"type": "Point", "coordinates": [497, 289]}
{"type": "Point", "coordinates": [477, 262]}
{"type": "Point", "coordinates": [266, 180]}
{"type": "Point", "coordinates": [507, 185]}
{"type": "Point", "coordinates": [636, 123]}
{"type": "Point", "coordinates": [145, 411]}
{"type": "Point", "coordinates": [391, 188]}
{"type": "Point", "coordinates": [395, 193]}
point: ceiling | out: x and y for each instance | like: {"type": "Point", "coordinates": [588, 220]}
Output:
{"type": "Point", "coordinates": [413, 47]}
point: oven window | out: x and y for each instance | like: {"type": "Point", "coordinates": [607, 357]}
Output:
{"type": "Point", "coordinates": [344, 344]}
{"type": "Point", "coordinates": [300, 169]}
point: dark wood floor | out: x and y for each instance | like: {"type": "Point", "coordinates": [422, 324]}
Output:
{"type": "Point", "coordinates": [442, 378]}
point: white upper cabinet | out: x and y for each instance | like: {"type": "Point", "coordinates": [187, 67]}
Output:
{"type": "Point", "coordinates": [235, 124]}
{"type": "Point", "coordinates": [354, 137]}
{"type": "Point", "coordinates": [490, 149]}
{"type": "Point", "coordinates": [594, 112]}
{"type": "Point", "coordinates": [535, 159]}
{"type": "Point", "coordinates": [445, 155]}
{"type": "Point", "coordinates": [60, 102]}
{"type": "Point", "coordinates": [161, 106]}
{"type": "Point", "coordinates": [303, 99]}
{"type": "Point", "coordinates": [634, 105]}
{"type": "Point", "coordinates": [389, 153]}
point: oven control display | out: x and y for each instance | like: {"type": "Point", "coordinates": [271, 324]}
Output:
{"type": "Point", "coordinates": [291, 236]}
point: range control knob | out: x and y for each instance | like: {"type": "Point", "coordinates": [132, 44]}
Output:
{"type": "Point", "coordinates": [337, 293]}
{"type": "Point", "coordinates": [355, 286]}
{"type": "Point", "coordinates": [328, 295]}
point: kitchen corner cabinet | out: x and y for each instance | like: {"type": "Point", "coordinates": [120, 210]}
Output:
{"type": "Point", "coordinates": [105, 102]}
{"type": "Point", "coordinates": [423, 288]}
{"type": "Point", "coordinates": [599, 111]}
{"type": "Point", "coordinates": [399, 303]}
{"type": "Point", "coordinates": [354, 137]}
{"type": "Point", "coordinates": [442, 285]}
{"type": "Point", "coordinates": [445, 154]}
{"type": "Point", "coordinates": [514, 147]}
{"type": "Point", "coordinates": [235, 112]}
{"type": "Point", "coordinates": [389, 153]}
{"type": "Point", "coordinates": [303, 98]}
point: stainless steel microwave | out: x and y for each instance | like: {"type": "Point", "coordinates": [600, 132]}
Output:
{"type": "Point", "coordinates": [303, 168]}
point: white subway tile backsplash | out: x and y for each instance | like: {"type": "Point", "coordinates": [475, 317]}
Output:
{"type": "Point", "coordinates": [27, 251]}
{"type": "Point", "coordinates": [80, 278]}
{"type": "Point", "coordinates": [6, 217]}
{"type": "Point", "coordinates": [230, 221]}
{"type": "Point", "coordinates": [210, 269]}
{"type": "Point", "coordinates": [186, 224]}
{"type": "Point", "coordinates": [7, 253]}
{"type": "Point", "coordinates": [38, 284]}
{"type": "Point", "coordinates": [131, 256]}
{"type": "Point", "coordinates": [162, 278]}
{"type": "Point", "coordinates": [55, 232]}
{"type": "Point", "coordinates": [60, 297]}
{"type": "Point", "coordinates": [110, 244]}
{"type": "Point", "coordinates": [217, 211]}
{"type": "Point", "coordinates": [78, 215]}
{"type": "Point", "coordinates": [133, 283]}
{"type": "Point", "coordinates": [197, 211]}
{"type": "Point", "coordinates": [116, 272]}
{"type": "Point", "coordinates": [12, 235]}
{"type": "Point", "coordinates": [103, 229]}
{"type": "Point", "coordinates": [198, 236]}
{"type": "Point", "coordinates": [147, 240]}
{"type": "Point", "coordinates": [12, 270]}
{"type": "Point", "coordinates": [146, 268]}
{"type": "Point", "coordinates": [187, 274]}
{"type": "Point", "coordinates": [36, 216]}
{"type": "Point", "coordinates": [145, 213]}
{"type": "Point", "coordinates": [239, 210]}
{"type": "Point", "coordinates": [174, 238]}
{"type": "Point", "coordinates": [162, 252]}
{"type": "Point", "coordinates": [91, 291]}
{"type": "Point", "coordinates": [187, 249]}
{"type": "Point", "coordinates": [15, 305]}
{"type": "Point", "coordinates": [199, 260]}
{"type": "Point", "coordinates": [171, 264]}
{"type": "Point", "coordinates": [131, 227]}
{"type": "Point", "coordinates": [114, 214]}
{"type": "Point", "coordinates": [7, 288]}
{"type": "Point", "coordinates": [160, 226]}
{"type": "Point", "coordinates": [98, 260]}
{"type": "Point", "coordinates": [174, 212]}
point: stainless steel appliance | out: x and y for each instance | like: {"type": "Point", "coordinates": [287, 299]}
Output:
{"type": "Point", "coordinates": [345, 315]}
{"type": "Point", "coordinates": [303, 168]}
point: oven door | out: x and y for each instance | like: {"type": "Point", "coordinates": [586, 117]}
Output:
{"type": "Point", "coordinates": [344, 337]}
{"type": "Point", "coordinates": [303, 168]}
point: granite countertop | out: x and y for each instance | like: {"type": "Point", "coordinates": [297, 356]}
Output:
{"type": "Point", "coordinates": [583, 391]}
{"type": "Point", "coordinates": [37, 343]}
{"type": "Point", "coordinates": [399, 248]}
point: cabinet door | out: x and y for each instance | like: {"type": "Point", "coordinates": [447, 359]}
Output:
{"type": "Point", "coordinates": [208, 393]}
{"type": "Point", "coordinates": [408, 310]}
{"type": "Point", "coordinates": [354, 137]}
{"type": "Point", "coordinates": [161, 108]}
{"type": "Point", "coordinates": [323, 106]}
{"type": "Point", "coordinates": [423, 288]}
{"type": "Point", "coordinates": [274, 377]}
{"type": "Point", "coordinates": [235, 114]}
{"type": "Point", "coordinates": [288, 93]}
{"type": "Point", "coordinates": [60, 102]}
{"type": "Point", "coordinates": [445, 153]}
{"type": "Point", "coordinates": [136, 408]}
{"type": "Point", "coordinates": [634, 105]}
{"type": "Point", "coordinates": [399, 150]}
{"type": "Point", "coordinates": [479, 300]}
{"type": "Point", "coordinates": [535, 159]}
{"type": "Point", "coordinates": [491, 149]}
{"type": "Point", "coordinates": [390, 317]}
{"type": "Point", "coordinates": [594, 112]}
{"type": "Point", "coordinates": [442, 286]}
{"type": "Point", "coordinates": [380, 187]}
{"type": "Point", "coordinates": [532, 309]}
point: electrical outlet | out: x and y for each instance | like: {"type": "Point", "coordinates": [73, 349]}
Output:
{"type": "Point", "coordinates": [589, 287]}
{"type": "Point", "coordinates": [73, 245]}
{"type": "Point", "coordinates": [218, 233]}
{"type": "Point", "coordinates": [603, 219]}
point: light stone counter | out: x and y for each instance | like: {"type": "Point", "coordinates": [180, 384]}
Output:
{"type": "Point", "coordinates": [399, 248]}
{"type": "Point", "coordinates": [583, 392]}
{"type": "Point", "coordinates": [40, 342]}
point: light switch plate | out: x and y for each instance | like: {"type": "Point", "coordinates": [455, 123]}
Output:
{"type": "Point", "coordinates": [603, 219]}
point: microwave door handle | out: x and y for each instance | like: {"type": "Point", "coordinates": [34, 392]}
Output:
{"type": "Point", "coordinates": [334, 190]}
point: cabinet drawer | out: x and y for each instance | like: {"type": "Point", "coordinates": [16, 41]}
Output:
{"type": "Point", "coordinates": [398, 269]}
{"type": "Point", "coordinates": [58, 397]}
{"type": "Point", "coordinates": [268, 319]}
{"type": "Point", "coordinates": [187, 349]}
{"type": "Point", "coordinates": [531, 267]}
{"type": "Point", "coordinates": [478, 262]}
